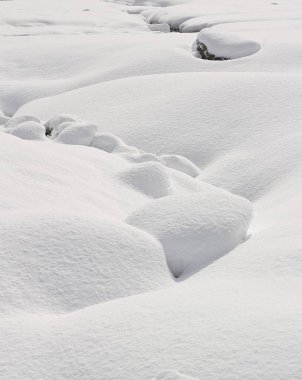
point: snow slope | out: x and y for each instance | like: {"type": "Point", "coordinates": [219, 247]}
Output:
{"type": "Point", "coordinates": [126, 159]}
{"type": "Point", "coordinates": [198, 115]}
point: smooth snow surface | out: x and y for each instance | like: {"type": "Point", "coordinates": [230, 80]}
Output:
{"type": "Point", "coordinates": [229, 46]}
{"type": "Point", "coordinates": [61, 263]}
{"type": "Point", "coordinates": [150, 200]}
{"type": "Point", "coordinates": [195, 229]}
{"type": "Point", "coordinates": [29, 130]}
{"type": "Point", "coordinates": [172, 375]}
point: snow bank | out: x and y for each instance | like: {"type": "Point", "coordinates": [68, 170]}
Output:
{"type": "Point", "coordinates": [66, 178]}
{"type": "Point", "coordinates": [56, 124]}
{"type": "Point", "coordinates": [180, 163]}
{"type": "Point", "coordinates": [195, 229]}
{"type": "Point", "coordinates": [239, 317]}
{"type": "Point", "coordinates": [29, 130]}
{"type": "Point", "coordinates": [57, 262]}
{"type": "Point", "coordinates": [196, 24]}
{"type": "Point", "coordinates": [192, 16]}
{"type": "Point", "coordinates": [152, 180]}
{"type": "Point", "coordinates": [149, 178]}
{"type": "Point", "coordinates": [107, 142]}
{"type": "Point", "coordinates": [225, 126]}
{"type": "Point", "coordinates": [16, 120]}
{"type": "Point", "coordinates": [58, 17]}
{"type": "Point", "coordinates": [213, 45]}
{"type": "Point", "coordinates": [77, 133]}
{"type": "Point", "coordinates": [138, 155]}
{"type": "Point", "coordinates": [163, 28]}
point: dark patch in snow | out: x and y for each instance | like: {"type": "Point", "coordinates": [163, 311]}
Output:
{"type": "Point", "coordinates": [205, 54]}
{"type": "Point", "coordinates": [48, 131]}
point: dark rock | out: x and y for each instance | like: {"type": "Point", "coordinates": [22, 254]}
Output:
{"type": "Point", "coordinates": [205, 54]}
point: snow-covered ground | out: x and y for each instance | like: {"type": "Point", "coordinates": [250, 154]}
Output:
{"type": "Point", "coordinates": [151, 189]}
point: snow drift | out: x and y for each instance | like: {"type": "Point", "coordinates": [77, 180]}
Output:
{"type": "Point", "coordinates": [195, 229]}
{"type": "Point", "coordinates": [213, 45]}
{"type": "Point", "coordinates": [85, 295]}
{"type": "Point", "coordinates": [58, 263]}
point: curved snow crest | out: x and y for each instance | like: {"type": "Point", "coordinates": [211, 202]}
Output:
{"type": "Point", "coordinates": [61, 263]}
{"type": "Point", "coordinates": [195, 229]}
{"type": "Point", "coordinates": [29, 130]}
{"type": "Point", "coordinates": [215, 45]}
{"type": "Point", "coordinates": [150, 178]}
{"type": "Point", "coordinates": [69, 129]}
{"type": "Point", "coordinates": [190, 16]}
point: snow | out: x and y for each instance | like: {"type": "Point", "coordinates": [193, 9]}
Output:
{"type": "Point", "coordinates": [149, 178]}
{"type": "Point", "coordinates": [229, 45]}
{"type": "Point", "coordinates": [108, 142]}
{"type": "Point", "coordinates": [16, 121]}
{"type": "Point", "coordinates": [29, 130]}
{"type": "Point", "coordinates": [79, 179]}
{"type": "Point", "coordinates": [56, 124]}
{"type": "Point", "coordinates": [125, 157]}
{"type": "Point", "coordinates": [64, 17]}
{"type": "Point", "coordinates": [195, 230]}
{"type": "Point", "coordinates": [193, 15]}
{"type": "Point", "coordinates": [164, 28]}
{"type": "Point", "coordinates": [172, 375]}
{"type": "Point", "coordinates": [204, 124]}
{"type": "Point", "coordinates": [77, 133]}
{"type": "Point", "coordinates": [59, 263]}
{"type": "Point", "coordinates": [180, 163]}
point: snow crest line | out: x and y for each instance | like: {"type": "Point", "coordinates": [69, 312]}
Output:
{"type": "Point", "coordinates": [194, 230]}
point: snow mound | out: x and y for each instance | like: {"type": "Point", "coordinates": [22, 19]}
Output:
{"type": "Point", "coordinates": [65, 178]}
{"type": "Point", "coordinates": [181, 164]}
{"type": "Point", "coordinates": [107, 142]}
{"type": "Point", "coordinates": [56, 262]}
{"type": "Point", "coordinates": [56, 124]}
{"type": "Point", "coordinates": [150, 178]}
{"type": "Point", "coordinates": [215, 45]}
{"type": "Point", "coordinates": [136, 155]}
{"type": "Point", "coordinates": [113, 144]}
{"type": "Point", "coordinates": [29, 130]}
{"type": "Point", "coordinates": [163, 28]}
{"type": "Point", "coordinates": [77, 133]}
{"type": "Point", "coordinates": [16, 120]}
{"type": "Point", "coordinates": [171, 374]}
{"type": "Point", "coordinates": [195, 229]}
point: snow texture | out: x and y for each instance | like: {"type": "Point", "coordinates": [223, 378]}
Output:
{"type": "Point", "coordinates": [61, 263]}
{"type": "Point", "coordinates": [195, 229]}
{"type": "Point", "coordinates": [125, 157]}
{"type": "Point", "coordinates": [172, 375]}
{"type": "Point", "coordinates": [230, 46]}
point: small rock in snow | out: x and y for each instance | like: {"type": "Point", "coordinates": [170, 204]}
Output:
{"type": "Point", "coordinates": [215, 45]}
{"type": "Point", "coordinates": [56, 124]}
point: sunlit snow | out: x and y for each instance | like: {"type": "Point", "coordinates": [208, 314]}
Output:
{"type": "Point", "coordinates": [151, 189]}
